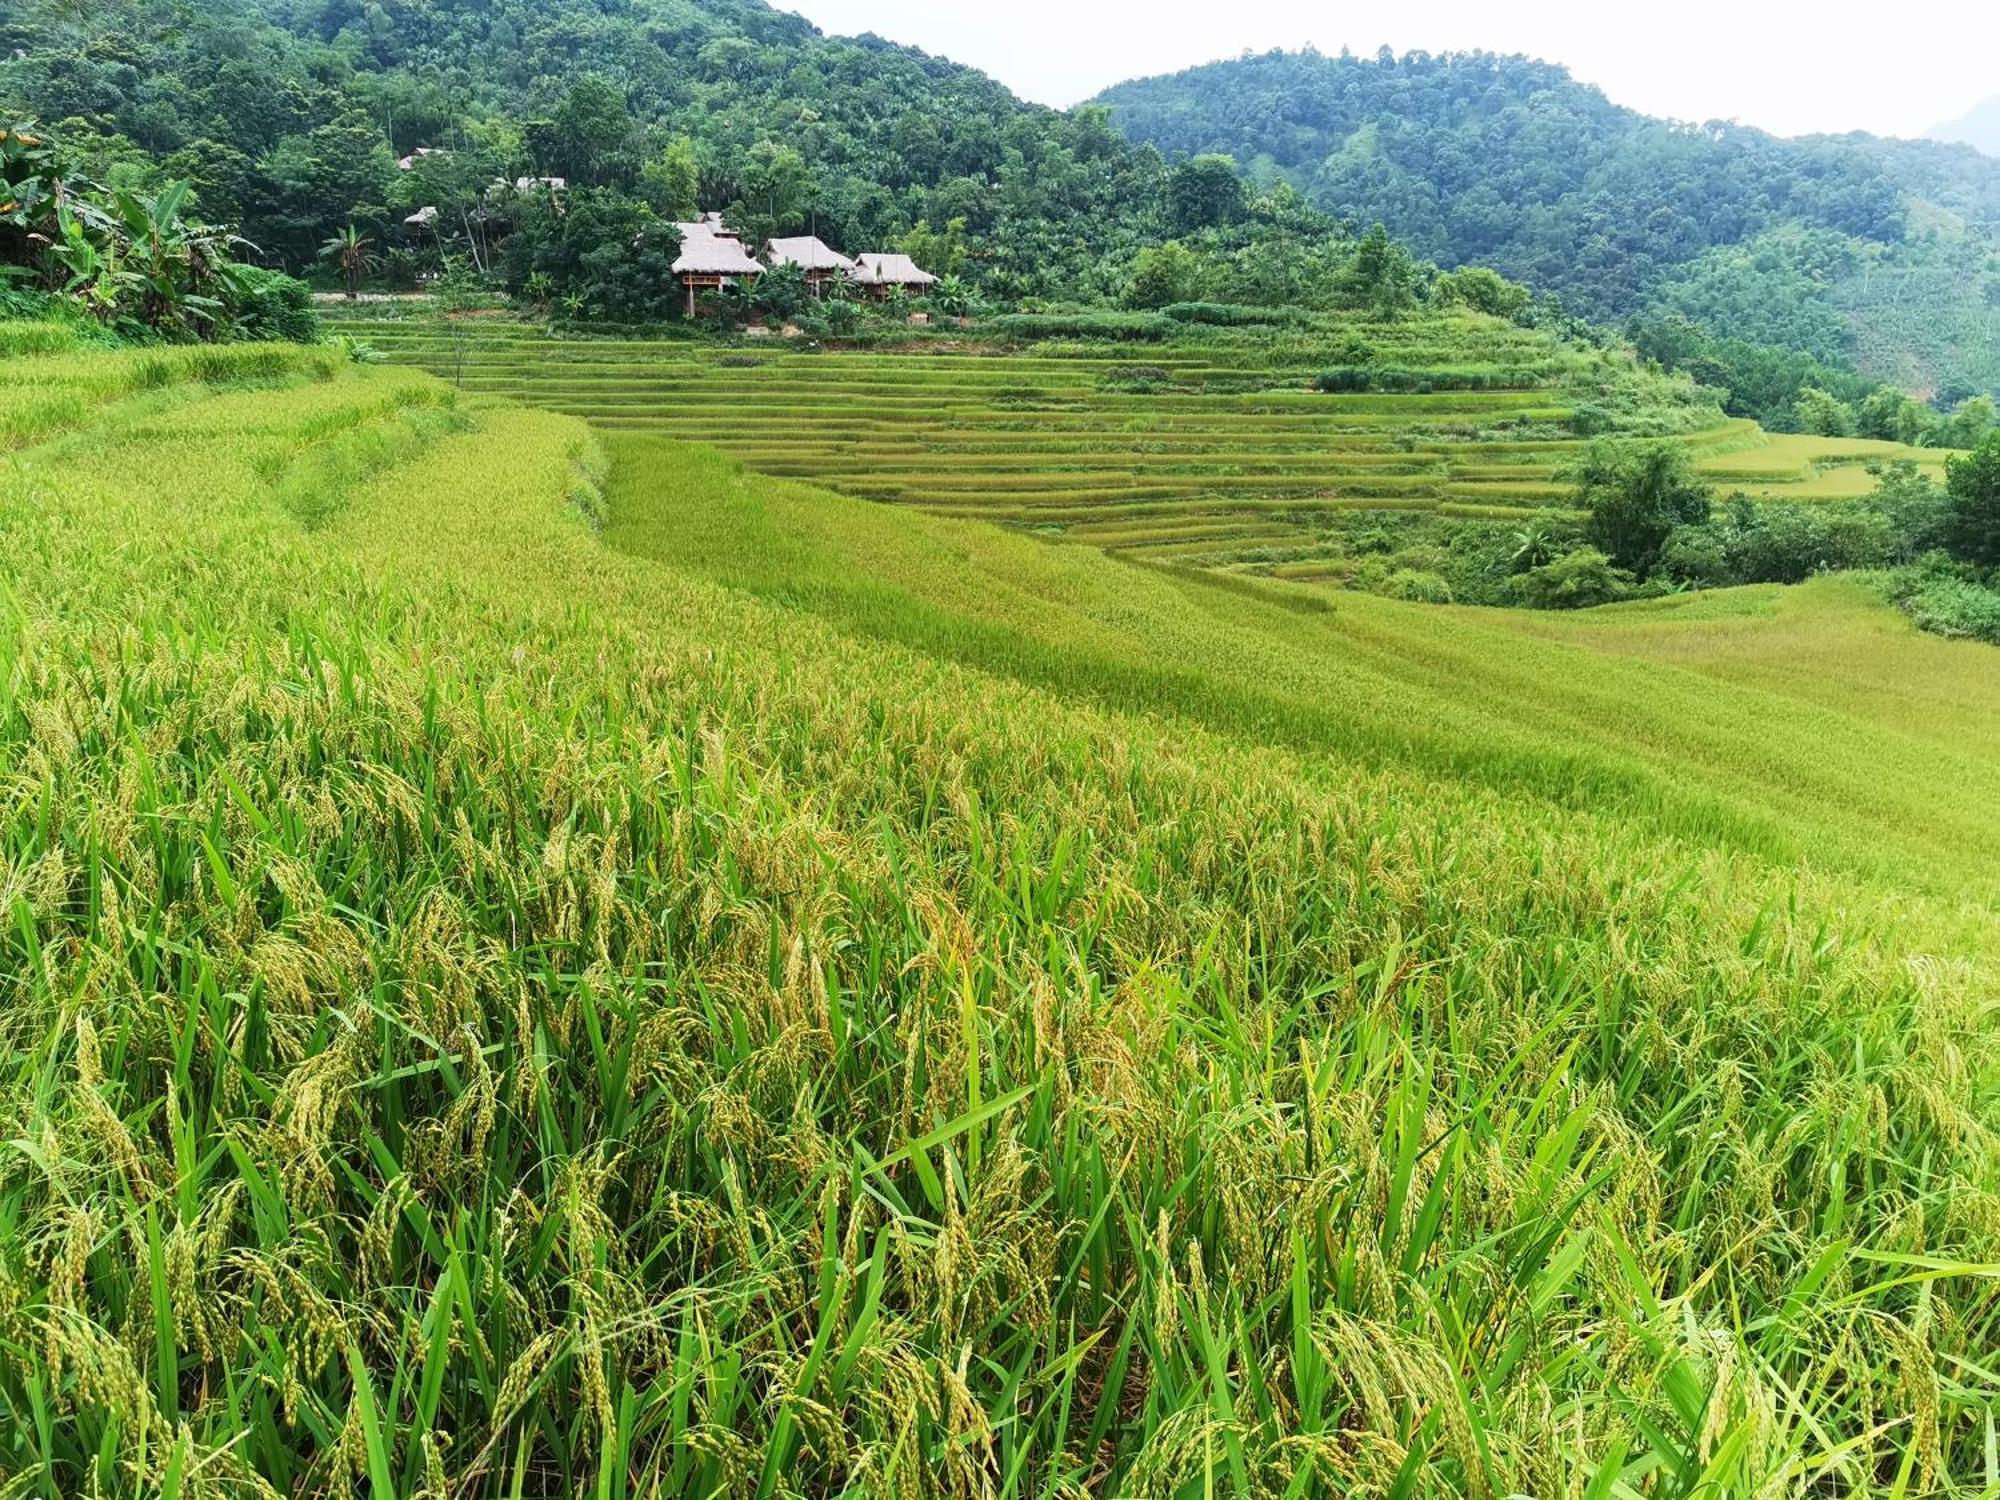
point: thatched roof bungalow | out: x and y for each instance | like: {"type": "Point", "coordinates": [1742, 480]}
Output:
{"type": "Point", "coordinates": [879, 272]}
{"type": "Point", "coordinates": [820, 261]}
{"type": "Point", "coordinates": [711, 257]}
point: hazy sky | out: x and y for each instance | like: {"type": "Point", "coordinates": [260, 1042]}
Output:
{"type": "Point", "coordinates": [1788, 67]}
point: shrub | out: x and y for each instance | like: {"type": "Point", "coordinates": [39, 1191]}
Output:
{"type": "Point", "coordinates": [1483, 290]}
{"type": "Point", "coordinates": [1418, 586]}
{"type": "Point", "coordinates": [275, 307]}
{"type": "Point", "coordinates": [1636, 496]}
{"type": "Point", "coordinates": [1161, 275]}
{"type": "Point", "coordinates": [1345, 378]}
{"type": "Point", "coordinates": [1589, 419]}
{"type": "Point", "coordinates": [1972, 526]}
{"type": "Point", "coordinates": [1956, 608]}
{"type": "Point", "coordinates": [1577, 580]}
{"type": "Point", "coordinates": [1698, 555]}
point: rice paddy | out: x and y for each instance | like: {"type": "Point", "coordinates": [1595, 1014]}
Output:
{"type": "Point", "coordinates": [1215, 452]}
{"type": "Point", "coordinates": [542, 959]}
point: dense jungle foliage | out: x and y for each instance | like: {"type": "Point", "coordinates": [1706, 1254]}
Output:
{"type": "Point", "coordinates": [289, 116]}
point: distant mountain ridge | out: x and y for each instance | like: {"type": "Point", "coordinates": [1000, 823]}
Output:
{"type": "Point", "coordinates": [1881, 251]}
{"type": "Point", "coordinates": [1978, 127]}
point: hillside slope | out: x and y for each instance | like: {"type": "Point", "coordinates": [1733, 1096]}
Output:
{"type": "Point", "coordinates": [1888, 251]}
{"type": "Point", "coordinates": [781, 992]}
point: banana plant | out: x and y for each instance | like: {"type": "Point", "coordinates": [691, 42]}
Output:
{"type": "Point", "coordinates": [27, 174]}
{"type": "Point", "coordinates": [180, 265]}
{"type": "Point", "coordinates": [354, 253]}
{"type": "Point", "coordinates": [120, 255]}
{"type": "Point", "coordinates": [90, 264]}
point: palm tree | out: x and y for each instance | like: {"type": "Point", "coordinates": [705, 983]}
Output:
{"type": "Point", "coordinates": [354, 253]}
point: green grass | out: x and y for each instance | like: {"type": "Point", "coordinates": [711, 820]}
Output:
{"type": "Point", "coordinates": [781, 995]}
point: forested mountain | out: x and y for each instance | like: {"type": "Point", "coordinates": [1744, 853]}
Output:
{"type": "Point", "coordinates": [1887, 252]}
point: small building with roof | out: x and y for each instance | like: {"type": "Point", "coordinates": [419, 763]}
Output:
{"type": "Point", "coordinates": [881, 272]}
{"type": "Point", "coordinates": [812, 255]}
{"type": "Point", "coordinates": [711, 258]}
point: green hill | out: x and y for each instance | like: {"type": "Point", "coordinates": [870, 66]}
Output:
{"type": "Point", "coordinates": [1884, 251]}
{"type": "Point", "coordinates": [541, 964]}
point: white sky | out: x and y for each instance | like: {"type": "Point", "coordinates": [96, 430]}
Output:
{"type": "Point", "coordinates": [1783, 65]}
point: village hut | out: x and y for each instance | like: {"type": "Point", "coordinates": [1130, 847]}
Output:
{"type": "Point", "coordinates": [711, 257]}
{"type": "Point", "coordinates": [881, 272]}
{"type": "Point", "coordinates": [820, 261]}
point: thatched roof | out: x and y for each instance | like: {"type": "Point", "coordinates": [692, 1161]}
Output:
{"type": "Point", "coordinates": [885, 269]}
{"type": "Point", "coordinates": [808, 253]}
{"type": "Point", "coordinates": [707, 252]}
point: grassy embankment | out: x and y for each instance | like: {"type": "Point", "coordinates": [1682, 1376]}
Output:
{"type": "Point", "coordinates": [781, 996]}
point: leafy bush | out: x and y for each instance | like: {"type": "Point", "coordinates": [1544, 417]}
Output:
{"type": "Point", "coordinates": [1636, 496]}
{"type": "Point", "coordinates": [1699, 555]}
{"type": "Point", "coordinates": [1590, 419]}
{"type": "Point", "coordinates": [1418, 586]}
{"type": "Point", "coordinates": [1346, 378]}
{"type": "Point", "coordinates": [1576, 580]}
{"type": "Point", "coordinates": [134, 263]}
{"type": "Point", "coordinates": [273, 306]}
{"type": "Point", "coordinates": [1972, 525]}
{"type": "Point", "coordinates": [1482, 290]}
{"type": "Point", "coordinates": [1956, 608]}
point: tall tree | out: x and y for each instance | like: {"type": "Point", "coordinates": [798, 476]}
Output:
{"type": "Point", "coordinates": [671, 180]}
{"type": "Point", "coordinates": [1381, 279]}
{"type": "Point", "coordinates": [778, 188]}
{"type": "Point", "coordinates": [1972, 521]}
{"type": "Point", "coordinates": [1636, 496]}
{"type": "Point", "coordinates": [1204, 191]}
{"type": "Point", "coordinates": [589, 139]}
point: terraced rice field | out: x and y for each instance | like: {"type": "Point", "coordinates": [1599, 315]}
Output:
{"type": "Point", "coordinates": [1210, 453]}
{"type": "Point", "coordinates": [1801, 466]}
{"type": "Point", "coordinates": [1203, 452]}
{"type": "Point", "coordinates": [545, 964]}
